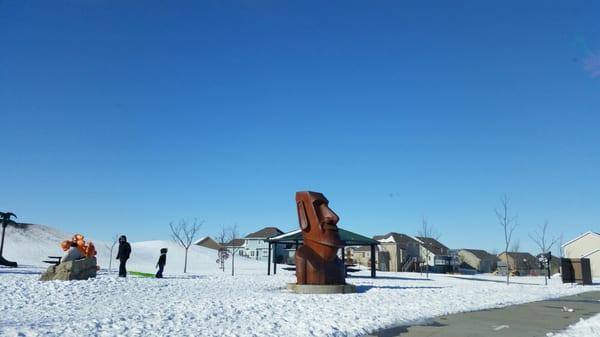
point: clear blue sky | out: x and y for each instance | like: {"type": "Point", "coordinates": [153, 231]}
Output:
{"type": "Point", "coordinates": [121, 116]}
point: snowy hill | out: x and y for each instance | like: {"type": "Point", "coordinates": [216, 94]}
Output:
{"type": "Point", "coordinates": [29, 244]}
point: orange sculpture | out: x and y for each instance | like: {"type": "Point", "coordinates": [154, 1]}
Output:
{"type": "Point", "coordinates": [317, 261]}
{"type": "Point", "coordinates": [86, 249]}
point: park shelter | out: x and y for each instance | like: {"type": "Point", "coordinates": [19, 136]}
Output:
{"type": "Point", "coordinates": [348, 238]}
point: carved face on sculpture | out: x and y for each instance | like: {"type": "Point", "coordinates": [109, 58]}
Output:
{"type": "Point", "coordinates": [317, 221]}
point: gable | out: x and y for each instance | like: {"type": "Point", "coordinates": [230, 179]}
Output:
{"type": "Point", "coordinates": [583, 237]}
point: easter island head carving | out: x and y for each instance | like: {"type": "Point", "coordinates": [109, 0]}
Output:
{"type": "Point", "coordinates": [317, 261]}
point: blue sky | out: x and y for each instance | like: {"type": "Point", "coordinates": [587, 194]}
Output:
{"type": "Point", "coordinates": [121, 116]}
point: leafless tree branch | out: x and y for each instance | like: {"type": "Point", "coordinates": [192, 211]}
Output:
{"type": "Point", "coordinates": [508, 224]}
{"type": "Point", "coordinates": [184, 234]}
{"type": "Point", "coordinates": [540, 239]}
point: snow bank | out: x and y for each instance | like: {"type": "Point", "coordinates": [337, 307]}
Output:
{"type": "Point", "coordinates": [585, 327]}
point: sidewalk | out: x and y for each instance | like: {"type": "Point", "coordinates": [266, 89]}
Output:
{"type": "Point", "coordinates": [525, 320]}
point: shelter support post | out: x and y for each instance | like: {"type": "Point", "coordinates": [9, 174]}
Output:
{"type": "Point", "coordinates": [373, 261]}
{"type": "Point", "coordinates": [344, 260]}
{"type": "Point", "coordinates": [269, 261]}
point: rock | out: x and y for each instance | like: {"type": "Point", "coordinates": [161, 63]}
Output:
{"type": "Point", "coordinates": [81, 269]}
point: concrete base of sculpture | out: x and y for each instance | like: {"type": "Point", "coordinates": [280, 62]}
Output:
{"type": "Point", "coordinates": [321, 288]}
{"type": "Point", "coordinates": [81, 269]}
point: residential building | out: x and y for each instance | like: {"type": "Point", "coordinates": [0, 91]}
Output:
{"type": "Point", "coordinates": [255, 246]}
{"type": "Point", "coordinates": [362, 255]}
{"type": "Point", "coordinates": [208, 242]}
{"type": "Point", "coordinates": [477, 259]}
{"type": "Point", "coordinates": [236, 245]}
{"type": "Point", "coordinates": [395, 248]}
{"type": "Point", "coordinates": [587, 245]}
{"type": "Point", "coordinates": [520, 263]}
{"type": "Point", "coordinates": [434, 254]}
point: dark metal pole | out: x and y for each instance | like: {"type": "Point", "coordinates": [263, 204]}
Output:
{"type": "Point", "coordinates": [2, 243]}
{"type": "Point", "coordinates": [344, 260]}
{"type": "Point", "coordinates": [373, 261]}
{"type": "Point", "coordinates": [269, 261]}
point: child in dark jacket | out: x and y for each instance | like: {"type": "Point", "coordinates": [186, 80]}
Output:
{"type": "Point", "coordinates": [162, 260]}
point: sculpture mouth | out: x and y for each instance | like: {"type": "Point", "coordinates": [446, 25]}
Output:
{"type": "Point", "coordinates": [334, 243]}
{"type": "Point", "coordinates": [330, 227]}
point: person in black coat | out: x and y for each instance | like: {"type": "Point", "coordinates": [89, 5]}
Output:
{"type": "Point", "coordinates": [162, 260]}
{"type": "Point", "coordinates": [123, 255]}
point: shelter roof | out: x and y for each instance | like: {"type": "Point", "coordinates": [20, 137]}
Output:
{"type": "Point", "coordinates": [349, 238]}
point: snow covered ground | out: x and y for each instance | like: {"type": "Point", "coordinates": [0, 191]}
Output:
{"type": "Point", "coordinates": [585, 327]}
{"type": "Point", "coordinates": [249, 304]}
{"type": "Point", "coordinates": [208, 302]}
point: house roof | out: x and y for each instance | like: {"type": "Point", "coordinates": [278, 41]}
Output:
{"type": "Point", "coordinates": [581, 236]}
{"type": "Point", "coordinates": [480, 254]}
{"type": "Point", "coordinates": [200, 240]}
{"type": "Point", "coordinates": [349, 238]}
{"type": "Point", "coordinates": [363, 249]}
{"type": "Point", "coordinates": [235, 243]}
{"type": "Point", "coordinates": [433, 245]}
{"type": "Point", "coordinates": [520, 256]}
{"type": "Point", "coordinates": [399, 238]}
{"type": "Point", "coordinates": [264, 233]}
{"type": "Point", "coordinates": [208, 242]}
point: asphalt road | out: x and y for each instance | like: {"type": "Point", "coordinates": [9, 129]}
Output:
{"type": "Point", "coordinates": [526, 320]}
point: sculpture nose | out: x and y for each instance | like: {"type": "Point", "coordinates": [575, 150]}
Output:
{"type": "Point", "coordinates": [329, 216]}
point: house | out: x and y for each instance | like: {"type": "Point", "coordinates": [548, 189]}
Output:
{"type": "Point", "coordinates": [434, 254]}
{"type": "Point", "coordinates": [360, 255]}
{"type": "Point", "coordinates": [395, 249]}
{"type": "Point", "coordinates": [587, 245]}
{"type": "Point", "coordinates": [519, 262]}
{"type": "Point", "coordinates": [208, 242]}
{"type": "Point", "coordinates": [236, 245]}
{"type": "Point", "coordinates": [478, 259]}
{"type": "Point", "coordinates": [255, 246]}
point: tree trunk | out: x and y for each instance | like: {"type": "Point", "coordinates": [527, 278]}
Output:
{"type": "Point", "coordinates": [233, 263]}
{"type": "Point", "coordinates": [110, 261]}
{"type": "Point", "coordinates": [185, 262]}
{"type": "Point", "coordinates": [507, 265]}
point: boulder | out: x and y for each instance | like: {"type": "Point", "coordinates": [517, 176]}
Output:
{"type": "Point", "coordinates": [81, 269]}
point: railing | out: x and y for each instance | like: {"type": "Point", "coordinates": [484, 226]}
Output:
{"type": "Point", "coordinates": [409, 262]}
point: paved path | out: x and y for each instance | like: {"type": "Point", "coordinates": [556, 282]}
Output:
{"type": "Point", "coordinates": [525, 320]}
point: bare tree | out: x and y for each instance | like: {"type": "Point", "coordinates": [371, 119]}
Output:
{"type": "Point", "coordinates": [427, 231]}
{"type": "Point", "coordinates": [561, 240]}
{"type": "Point", "coordinates": [184, 234]}
{"type": "Point", "coordinates": [544, 244]}
{"type": "Point", "coordinates": [222, 238]}
{"type": "Point", "coordinates": [114, 241]}
{"type": "Point", "coordinates": [223, 235]}
{"type": "Point", "coordinates": [233, 234]}
{"type": "Point", "coordinates": [226, 235]}
{"type": "Point", "coordinates": [508, 224]}
{"type": "Point", "coordinates": [516, 246]}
